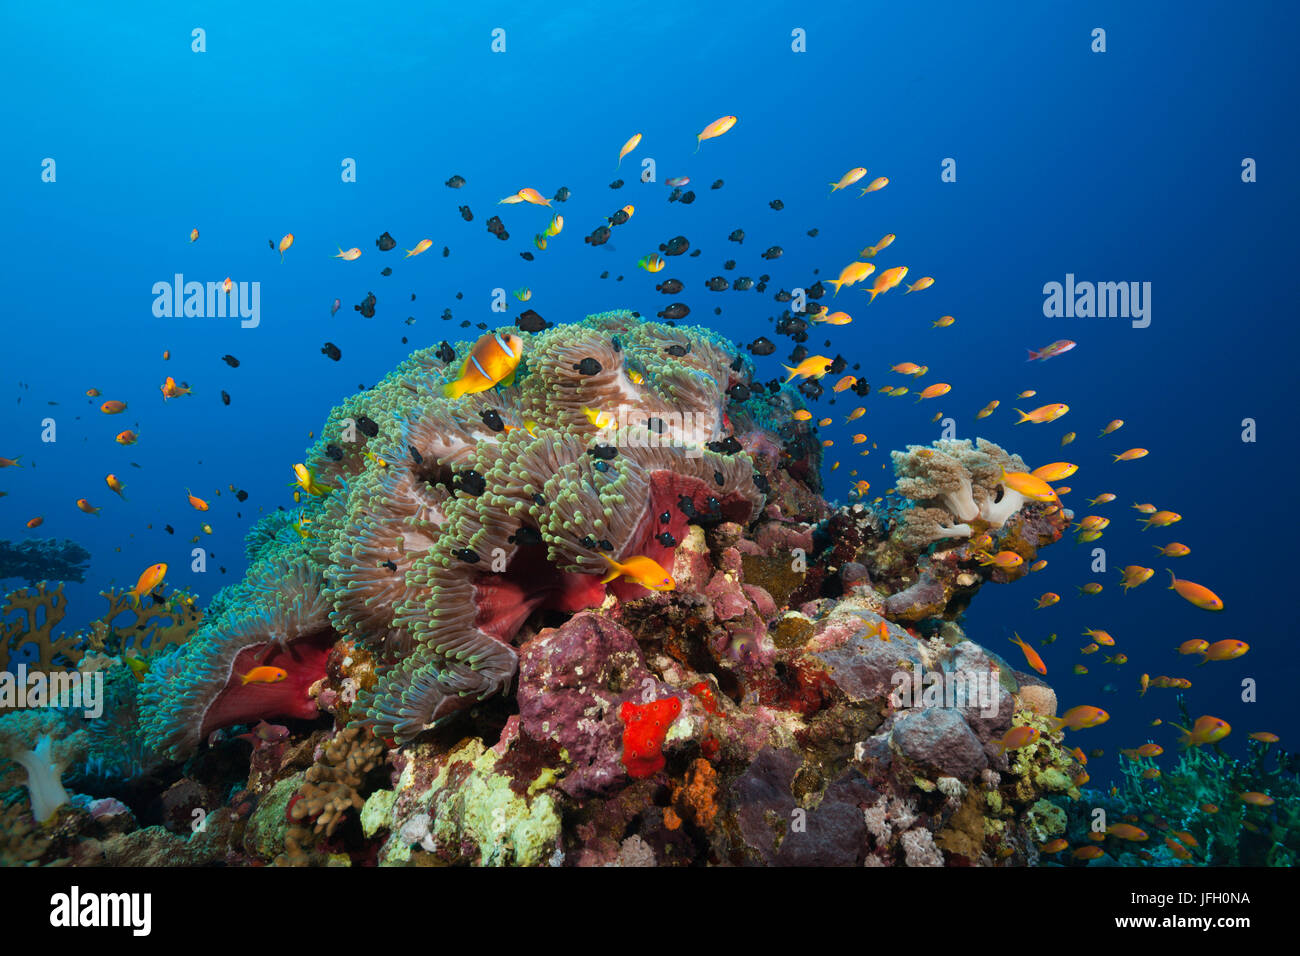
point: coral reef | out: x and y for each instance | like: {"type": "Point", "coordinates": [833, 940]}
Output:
{"type": "Point", "coordinates": [1195, 812]}
{"type": "Point", "coordinates": [330, 789]}
{"type": "Point", "coordinates": [43, 559]}
{"type": "Point", "coordinates": [805, 694]}
{"type": "Point", "coordinates": [29, 617]}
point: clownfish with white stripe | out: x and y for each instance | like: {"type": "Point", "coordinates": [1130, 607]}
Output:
{"type": "Point", "coordinates": [491, 362]}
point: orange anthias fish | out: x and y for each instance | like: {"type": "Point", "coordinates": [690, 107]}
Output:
{"type": "Point", "coordinates": [887, 280]}
{"type": "Point", "coordinates": [171, 390]}
{"type": "Point", "coordinates": [87, 507]}
{"type": "Point", "coordinates": [1225, 650]}
{"type": "Point", "coordinates": [530, 195]}
{"type": "Point", "coordinates": [10, 462]}
{"type": "Point", "coordinates": [1161, 519]}
{"type": "Point", "coordinates": [420, 247]}
{"type": "Point", "coordinates": [264, 675]}
{"type": "Point", "coordinates": [645, 571]}
{"type": "Point", "coordinates": [934, 391]}
{"type": "Point", "coordinates": [1126, 831]}
{"type": "Point", "coordinates": [920, 285]}
{"type": "Point", "coordinates": [113, 407]}
{"type": "Point", "coordinates": [631, 144]}
{"type": "Point", "coordinates": [1133, 575]}
{"type": "Point", "coordinates": [36, 522]}
{"type": "Point", "coordinates": [870, 251]}
{"type": "Point", "coordinates": [1093, 523]}
{"type": "Point", "coordinates": [1031, 655]}
{"type": "Point", "coordinates": [849, 178]}
{"type": "Point", "coordinates": [1048, 599]}
{"type": "Point", "coordinates": [714, 130]}
{"type": "Point", "coordinates": [851, 274]}
{"type": "Point", "coordinates": [149, 579]}
{"type": "Point", "coordinates": [943, 322]}
{"type": "Point", "coordinates": [814, 366]}
{"type": "Point", "coordinates": [1174, 549]}
{"type": "Point", "coordinates": [348, 255]}
{"type": "Point", "coordinates": [127, 437]}
{"type": "Point", "coordinates": [1018, 737]}
{"type": "Point", "coordinates": [1112, 426]}
{"type": "Point", "coordinates": [880, 182]}
{"type": "Point", "coordinates": [1102, 499]}
{"type": "Point", "coordinates": [113, 482]}
{"type": "Point", "coordinates": [1132, 454]}
{"type": "Point", "coordinates": [1056, 471]}
{"type": "Point", "coordinates": [1059, 347]}
{"type": "Point", "coordinates": [198, 504]}
{"type": "Point", "coordinates": [1080, 718]}
{"type": "Point", "coordinates": [1003, 559]}
{"type": "Point", "coordinates": [1197, 594]}
{"type": "Point", "coordinates": [491, 362]}
{"type": "Point", "coordinates": [1031, 486]}
{"type": "Point", "coordinates": [285, 243]}
{"type": "Point", "coordinates": [1206, 730]}
{"type": "Point", "coordinates": [194, 235]}
{"type": "Point", "coordinates": [1044, 413]}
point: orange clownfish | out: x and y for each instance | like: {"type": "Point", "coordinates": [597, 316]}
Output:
{"type": "Point", "coordinates": [491, 362]}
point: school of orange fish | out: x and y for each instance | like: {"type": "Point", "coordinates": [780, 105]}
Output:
{"type": "Point", "coordinates": [494, 360]}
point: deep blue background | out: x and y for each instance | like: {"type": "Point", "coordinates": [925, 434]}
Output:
{"type": "Point", "coordinates": [1116, 166]}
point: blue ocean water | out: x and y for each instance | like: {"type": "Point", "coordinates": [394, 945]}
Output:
{"type": "Point", "coordinates": [1117, 166]}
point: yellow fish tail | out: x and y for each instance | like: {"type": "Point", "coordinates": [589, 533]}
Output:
{"type": "Point", "coordinates": [1023, 416]}
{"type": "Point", "coordinates": [615, 569]}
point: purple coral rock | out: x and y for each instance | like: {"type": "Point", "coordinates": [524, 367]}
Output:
{"type": "Point", "coordinates": [862, 666]}
{"type": "Point", "coordinates": [968, 658]}
{"type": "Point", "coordinates": [572, 681]}
{"type": "Point", "coordinates": [762, 601]}
{"type": "Point", "coordinates": [783, 834]}
{"type": "Point", "coordinates": [726, 596]}
{"type": "Point", "coordinates": [854, 575]}
{"type": "Point", "coordinates": [917, 601]}
{"type": "Point", "coordinates": [938, 738]}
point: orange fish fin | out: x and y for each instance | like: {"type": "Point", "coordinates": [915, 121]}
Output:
{"type": "Point", "coordinates": [615, 569]}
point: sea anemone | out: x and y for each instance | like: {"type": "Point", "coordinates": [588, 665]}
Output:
{"type": "Point", "coordinates": [449, 521]}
